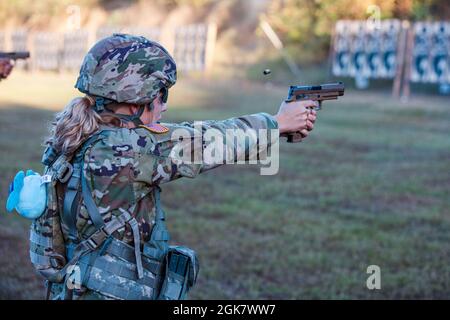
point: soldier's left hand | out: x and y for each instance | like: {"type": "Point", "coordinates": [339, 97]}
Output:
{"type": "Point", "coordinates": [312, 116]}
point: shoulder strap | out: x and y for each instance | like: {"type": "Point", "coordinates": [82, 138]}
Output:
{"type": "Point", "coordinates": [159, 213]}
{"type": "Point", "coordinates": [72, 194]}
{"type": "Point", "coordinates": [91, 207]}
{"type": "Point", "coordinates": [70, 204]}
{"type": "Point", "coordinates": [158, 245]}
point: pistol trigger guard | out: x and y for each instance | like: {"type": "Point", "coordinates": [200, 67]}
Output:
{"type": "Point", "coordinates": [319, 106]}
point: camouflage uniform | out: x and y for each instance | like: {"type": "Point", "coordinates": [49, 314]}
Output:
{"type": "Point", "coordinates": [123, 167]}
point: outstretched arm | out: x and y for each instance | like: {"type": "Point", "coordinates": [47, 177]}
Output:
{"type": "Point", "coordinates": [192, 148]}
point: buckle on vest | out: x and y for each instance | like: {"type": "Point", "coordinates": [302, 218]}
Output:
{"type": "Point", "coordinates": [64, 172]}
{"type": "Point", "coordinates": [49, 156]}
{"type": "Point", "coordinates": [96, 239]}
{"type": "Point", "coordinates": [57, 260]}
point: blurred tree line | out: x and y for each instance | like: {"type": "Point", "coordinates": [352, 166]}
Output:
{"type": "Point", "coordinates": [305, 26]}
{"type": "Point", "coordinates": [34, 12]}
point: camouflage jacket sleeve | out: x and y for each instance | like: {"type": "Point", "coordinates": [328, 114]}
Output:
{"type": "Point", "coordinates": [189, 149]}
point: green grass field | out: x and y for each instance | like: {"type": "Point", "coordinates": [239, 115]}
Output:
{"type": "Point", "coordinates": [371, 185]}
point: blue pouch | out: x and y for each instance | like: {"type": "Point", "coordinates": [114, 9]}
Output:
{"type": "Point", "coordinates": [28, 194]}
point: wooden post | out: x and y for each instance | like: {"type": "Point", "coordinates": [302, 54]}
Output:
{"type": "Point", "coordinates": [401, 56]}
{"type": "Point", "coordinates": [406, 89]}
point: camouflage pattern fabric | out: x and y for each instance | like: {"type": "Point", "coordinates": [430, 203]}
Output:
{"type": "Point", "coordinates": [46, 237]}
{"type": "Point", "coordinates": [128, 163]}
{"type": "Point", "coordinates": [126, 68]}
{"type": "Point", "coordinates": [123, 168]}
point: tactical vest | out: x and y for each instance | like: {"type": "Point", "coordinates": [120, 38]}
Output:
{"type": "Point", "coordinates": [101, 262]}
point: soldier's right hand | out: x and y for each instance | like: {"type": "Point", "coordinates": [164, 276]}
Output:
{"type": "Point", "coordinates": [5, 68]}
{"type": "Point", "coordinates": [296, 116]}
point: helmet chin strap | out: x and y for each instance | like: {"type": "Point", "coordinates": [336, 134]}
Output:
{"type": "Point", "coordinates": [134, 118]}
{"type": "Point", "coordinates": [100, 106]}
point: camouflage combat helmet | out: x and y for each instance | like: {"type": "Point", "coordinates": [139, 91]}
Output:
{"type": "Point", "coordinates": [126, 68]}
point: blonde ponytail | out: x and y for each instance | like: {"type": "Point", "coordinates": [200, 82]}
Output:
{"type": "Point", "coordinates": [74, 124]}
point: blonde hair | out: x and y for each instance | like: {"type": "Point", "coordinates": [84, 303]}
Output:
{"type": "Point", "coordinates": [77, 122]}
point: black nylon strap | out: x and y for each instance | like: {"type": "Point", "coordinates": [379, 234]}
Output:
{"type": "Point", "coordinates": [89, 202]}
{"type": "Point", "coordinates": [134, 118]}
{"type": "Point", "coordinates": [48, 289]}
{"type": "Point", "coordinates": [71, 200]}
{"type": "Point", "coordinates": [159, 213]}
{"type": "Point", "coordinates": [157, 246]}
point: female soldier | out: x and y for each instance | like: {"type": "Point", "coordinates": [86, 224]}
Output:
{"type": "Point", "coordinates": [102, 235]}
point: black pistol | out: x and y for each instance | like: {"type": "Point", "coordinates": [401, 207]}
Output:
{"type": "Point", "coordinates": [15, 55]}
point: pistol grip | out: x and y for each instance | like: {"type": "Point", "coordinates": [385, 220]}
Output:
{"type": "Point", "coordinates": [319, 107]}
{"type": "Point", "coordinates": [294, 137]}
{"type": "Point", "coordinates": [297, 136]}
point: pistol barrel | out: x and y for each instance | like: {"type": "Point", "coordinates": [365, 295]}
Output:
{"type": "Point", "coordinates": [15, 55]}
{"type": "Point", "coordinates": [326, 91]}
